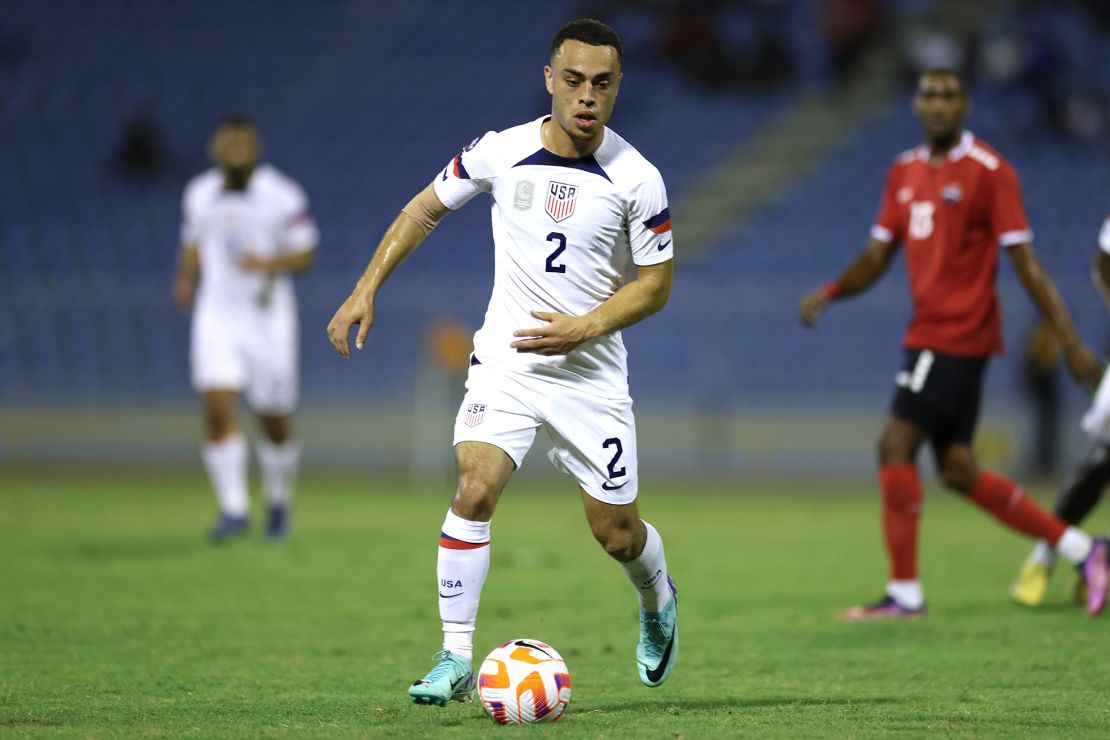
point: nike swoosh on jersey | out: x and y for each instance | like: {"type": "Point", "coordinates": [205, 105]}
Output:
{"type": "Point", "coordinates": [655, 675]}
{"type": "Point", "coordinates": [606, 486]}
{"type": "Point", "coordinates": [664, 245]}
{"type": "Point", "coordinates": [445, 596]}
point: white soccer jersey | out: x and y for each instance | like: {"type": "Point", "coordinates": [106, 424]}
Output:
{"type": "Point", "coordinates": [267, 219]}
{"type": "Point", "coordinates": [564, 232]}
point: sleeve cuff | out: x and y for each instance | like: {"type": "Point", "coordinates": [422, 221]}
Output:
{"type": "Point", "coordinates": [654, 258]}
{"type": "Point", "coordinates": [882, 233]}
{"type": "Point", "coordinates": [1012, 238]}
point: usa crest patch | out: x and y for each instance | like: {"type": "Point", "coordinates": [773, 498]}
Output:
{"type": "Point", "coordinates": [475, 414]}
{"type": "Point", "coordinates": [560, 200]}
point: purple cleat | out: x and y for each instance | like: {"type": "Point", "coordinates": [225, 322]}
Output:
{"type": "Point", "coordinates": [884, 608]}
{"type": "Point", "coordinates": [1094, 574]}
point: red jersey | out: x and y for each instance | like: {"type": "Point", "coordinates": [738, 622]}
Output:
{"type": "Point", "coordinates": [951, 219]}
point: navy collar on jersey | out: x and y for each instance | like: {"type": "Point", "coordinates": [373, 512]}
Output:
{"type": "Point", "coordinates": [551, 159]}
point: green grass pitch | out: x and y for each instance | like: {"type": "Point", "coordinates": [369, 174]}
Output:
{"type": "Point", "coordinates": [117, 619]}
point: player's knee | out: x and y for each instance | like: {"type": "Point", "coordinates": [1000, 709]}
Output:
{"type": "Point", "coordinates": [957, 476]}
{"type": "Point", "coordinates": [218, 426]}
{"type": "Point", "coordinates": [475, 498]}
{"type": "Point", "coordinates": [277, 429]}
{"type": "Point", "coordinates": [617, 541]}
{"type": "Point", "coordinates": [892, 450]}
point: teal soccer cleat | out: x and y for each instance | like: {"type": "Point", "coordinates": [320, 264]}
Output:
{"type": "Point", "coordinates": [450, 678]}
{"type": "Point", "coordinates": [657, 650]}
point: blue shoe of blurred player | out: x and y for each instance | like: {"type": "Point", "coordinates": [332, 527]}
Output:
{"type": "Point", "coordinates": [277, 525]}
{"type": "Point", "coordinates": [227, 527]}
{"type": "Point", "coordinates": [657, 649]}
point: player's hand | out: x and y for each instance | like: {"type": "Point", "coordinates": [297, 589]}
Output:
{"type": "Point", "coordinates": [356, 309]}
{"type": "Point", "coordinates": [1083, 365]}
{"type": "Point", "coordinates": [183, 291]}
{"type": "Point", "coordinates": [254, 263]}
{"type": "Point", "coordinates": [813, 305]}
{"type": "Point", "coordinates": [561, 335]}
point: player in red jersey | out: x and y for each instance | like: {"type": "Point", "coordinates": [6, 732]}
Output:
{"type": "Point", "coordinates": [952, 203]}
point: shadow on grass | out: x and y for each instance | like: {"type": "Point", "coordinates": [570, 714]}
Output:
{"type": "Point", "coordinates": [730, 703]}
{"type": "Point", "coordinates": [128, 550]}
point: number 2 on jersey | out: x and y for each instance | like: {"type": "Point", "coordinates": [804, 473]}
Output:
{"type": "Point", "coordinates": [555, 236]}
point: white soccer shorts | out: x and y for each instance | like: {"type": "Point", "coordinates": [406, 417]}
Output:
{"type": "Point", "coordinates": [258, 358]}
{"type": "Point", "coordinates": [594, 438]}
{"type": "Point", "coordinates": [1096, 422]}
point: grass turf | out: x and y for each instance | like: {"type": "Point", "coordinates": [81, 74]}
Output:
{"type": "Point", "coordinates": [117, 619]}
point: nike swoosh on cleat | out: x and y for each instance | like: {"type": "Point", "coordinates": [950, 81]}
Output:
{"type": "Point", "coordinates": [655, 675]}
{"type": "Point", "coordinates": [606, 486]}
{"type": "Point", "coordinates": [445, 596]}
{"type": "Point", "coordinates": [664, 245]}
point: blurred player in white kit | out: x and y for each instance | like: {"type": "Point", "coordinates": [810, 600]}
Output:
{"type": "Point", "coordinates": [246, 229]}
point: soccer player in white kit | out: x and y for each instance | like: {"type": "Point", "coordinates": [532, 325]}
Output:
{"type": "Point", "coordinates": [572, 205]}
{"type": "Point", "coordinates": [246, 228]}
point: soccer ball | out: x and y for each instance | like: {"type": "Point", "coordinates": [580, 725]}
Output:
{"type": "Point", "coordinates": [524, 681]}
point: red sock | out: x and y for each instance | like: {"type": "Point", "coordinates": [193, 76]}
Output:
{"type": "Point", "coordinates": [901, 510]}
{"type": "Point", "coordinates": [1007, 502]}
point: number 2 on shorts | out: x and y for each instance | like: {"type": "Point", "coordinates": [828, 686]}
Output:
{"type": "Point", "coordinates": [614, 471]}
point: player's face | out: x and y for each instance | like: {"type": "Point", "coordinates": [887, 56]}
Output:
{"type": "Point", "coordinates": [941, 103]}
{"type": "Point", "coordinates": [236, 148]}
{"type": "Point", "coordinates": [583, 80]}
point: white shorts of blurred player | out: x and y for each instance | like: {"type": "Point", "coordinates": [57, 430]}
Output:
{"type": "Point", "coordinates": [1096, 422]}
{"type": "Point", "coordinates": [254, 355]}
{"type": "Point", "coordinates": [594, 438]}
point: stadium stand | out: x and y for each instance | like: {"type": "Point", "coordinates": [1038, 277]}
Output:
{"type": "Point", "coordinates": [363, 102]}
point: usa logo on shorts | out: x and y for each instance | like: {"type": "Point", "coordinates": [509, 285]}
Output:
{"type": "Point", "coordinates": [475, 414]}
{"type": "Point", "coordinates": [560, 200]}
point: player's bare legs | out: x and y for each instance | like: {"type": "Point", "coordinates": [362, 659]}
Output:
{"type": "Point", "coordinates": [637, 546]}
{"type": "Point", "coordinates": [901, 490]}
{"type": "Point", "coordinates": [225, 459]}
{"type": "Point", "coordinates": [462, 564]}
{"type": "Point", "coordinates": [279, 456]}
{"type": "Point", "coordinates": [617, 528]}
{"type": "Point", "coordinates": [219, 413]}
{"type": "Point", "coordinates": [483, 472]}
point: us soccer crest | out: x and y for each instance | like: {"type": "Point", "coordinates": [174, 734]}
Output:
{"type": "Point", "coordinates": [475, 414]}
{"type": "Point", "coordinates": [560, 200]}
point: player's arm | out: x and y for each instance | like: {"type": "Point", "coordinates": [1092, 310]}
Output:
{"type": "Point", "coordinates": [292, 262]}
{"type": "Point", "coordinates": [860, 275]}
{"type": "Point", "coordinates": [1082, 363]}
{"type": "Point", "coordinates": [185, 278]}
{"type": "Point", "coordinates": [1100, 275]}
{"type": "Point", "coordinates": [633, 303]}
{"type": "Point", "coordinates": [412, 225]}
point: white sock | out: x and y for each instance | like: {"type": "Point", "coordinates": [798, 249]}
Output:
{"type": "Point", "coordinates": [226, 462]}
{"type": "Point", "coordinates": [279, 469]}
{"type": "Point", "coordinates": [462, 566]}
{"type": "Point", "coordinates": [1074, 545]}
{"type": "Point", "coordinates": [907, 593]}
{"type": "Point", "coordinates": [1043, 554]}
{"type": "Point", "coordinates": [648, 574]}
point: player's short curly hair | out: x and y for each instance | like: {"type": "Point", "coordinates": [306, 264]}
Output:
{"type": "Point", "coordinates": [588, 31]}
{"type": "Point", "coordinates": [952, 72]}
